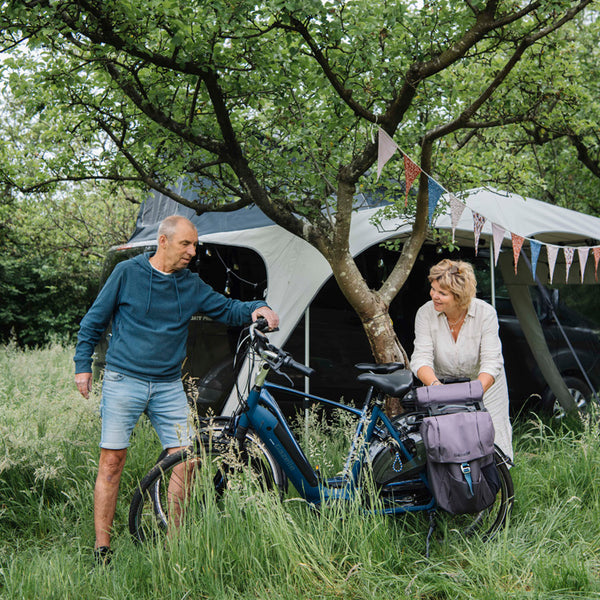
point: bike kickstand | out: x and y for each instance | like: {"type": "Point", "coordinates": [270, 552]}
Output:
{"type": "Point", "coordinates": [430, 532]}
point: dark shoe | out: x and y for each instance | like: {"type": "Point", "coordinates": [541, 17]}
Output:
{"type": "Point", "coordinates": [103, 556]}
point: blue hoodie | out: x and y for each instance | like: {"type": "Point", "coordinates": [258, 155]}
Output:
{"type": "Point", "coordinates": [150, 314]}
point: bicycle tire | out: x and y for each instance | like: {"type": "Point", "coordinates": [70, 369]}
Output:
{"type": "Point", "coordinates": [149, 512]}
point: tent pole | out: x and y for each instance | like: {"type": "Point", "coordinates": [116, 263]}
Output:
{"type": "Point", "coordinates": [492, 276]}
{"type": "Point", "coordinates": [307, 363]}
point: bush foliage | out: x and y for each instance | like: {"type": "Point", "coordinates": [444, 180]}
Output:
{"type": "Point", "coordinates": [40, 300]}
{"type": "Point", "coordinates": [53, 249]}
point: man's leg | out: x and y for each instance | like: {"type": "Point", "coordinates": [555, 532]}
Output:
{"type": "Point", "coordinates": [110, 468]}
{"type": "Point", "coordinates": [124, 399]}
{"type": "Point", "coordinates": [178, 491]}
{"type": "Point", "coordinates": [169, 413]}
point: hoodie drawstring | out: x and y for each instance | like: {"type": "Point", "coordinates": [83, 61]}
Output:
{"type": "Point", "coordinates": [177, 294]}
{"type": "Point", "coordinates": [149, 290]}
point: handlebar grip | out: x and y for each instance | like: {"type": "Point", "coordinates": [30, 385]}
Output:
{"type": "Point", "coordinates": [292, 364]}
{"type": "Point", "coordinates": [263, 325]}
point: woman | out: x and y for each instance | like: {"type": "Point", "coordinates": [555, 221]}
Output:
{"type": "Point", "coordinates": [456, 335]}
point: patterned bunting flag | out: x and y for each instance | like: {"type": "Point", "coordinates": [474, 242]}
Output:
{"type": "Point", "coordinates": [517, 242]}
{"type": "Point", "coordinates": [435, 192]}
{"type": "Point", "coordinates": [411, 171]}
{"type": "Point", "coordinates": [456, 210]}
{"type": "Point", "coordinates": [569, 253]}
{"type": "Point", "coordinates": [478, 222]}
{"type": "Point", "coordinates": [583, 256]}
{"type": "Point", "coordinates": [386, 148]}
{"type": "Point", "coordinates": [535, 247]}
{"type": "Point", "coordinates": [552, 254]}
{"type": "Point", "coordinates": [596, 251]}
{"type": "Point", "coordinates": [498, 235]}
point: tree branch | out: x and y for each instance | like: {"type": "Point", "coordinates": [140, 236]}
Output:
{"type": "Point", "coordinates": [583, 154]}
{"type": "Point", "coordinates": [527, 42]}
{"type": "Point", "coordinates": [343, 93]}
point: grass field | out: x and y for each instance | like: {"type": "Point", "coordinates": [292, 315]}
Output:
{"type": "Point", "coordinates": [255, 546]}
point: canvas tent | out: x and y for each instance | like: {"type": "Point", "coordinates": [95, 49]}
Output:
{"type": "Point", "coordinates": [296, 270]}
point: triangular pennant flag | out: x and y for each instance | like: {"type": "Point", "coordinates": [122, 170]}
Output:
{"type": "Point", "coordinates": [517, 242]}
{"type": "Point", "coordinates": [569, 253]}
{"type": "Point", "coordinates": [386, 148]}
{"type": "Point", "coordinates": [411, 171]}
{"type": "Point", "coordinates": [435, 191]}
{"type": "Point", "coordinates": [456, 210]}
{"type": "Point", "coordinates": [478, 222]}
{"type": "Point", "coordinates": [535, 247]}
{"type": "Point", "coordinates": [552, 254]}
{"type": "Point", "coordinates": [583, 256]}
{"type": "Point", "coordinates": [596, 251]}
{"type": "Point", "coordinates": [498, 236]}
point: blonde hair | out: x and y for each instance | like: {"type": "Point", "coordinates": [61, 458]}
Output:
{"type": "Point", "coordinates": [457, 277]}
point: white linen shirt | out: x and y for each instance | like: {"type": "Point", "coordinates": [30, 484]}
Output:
{"type": "Point", "coordinates": [477, 349]}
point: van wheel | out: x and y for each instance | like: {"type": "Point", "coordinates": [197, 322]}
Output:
{"type": "Point", "coordinates": [579, 390]}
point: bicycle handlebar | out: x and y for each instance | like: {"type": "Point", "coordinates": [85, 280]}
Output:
{"type": "Point", "coordinates": [289, 362]}
{"type": "Point", "coordinates": [276, 357]}
{"type": "Point", "coordinates": [262, 325]}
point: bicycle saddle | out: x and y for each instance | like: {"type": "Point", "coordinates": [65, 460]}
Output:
{"type": "Point", "coordinates": [380, 368]}
{"type": "Point", "coordinates": [395, 384]}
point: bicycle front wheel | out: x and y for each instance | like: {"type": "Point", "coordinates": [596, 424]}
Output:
{"type": "Point", "coordinates": [201, 475]}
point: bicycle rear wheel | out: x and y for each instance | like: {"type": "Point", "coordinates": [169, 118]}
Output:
{"type": "Point", "coordinates": [488, 522]}
{"type": "Point", "coordinates": [199, 475]}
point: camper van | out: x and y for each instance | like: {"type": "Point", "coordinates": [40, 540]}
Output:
{"type": "Point", "coordinates": [337, 341]}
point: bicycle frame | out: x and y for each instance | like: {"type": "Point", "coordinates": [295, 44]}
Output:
{"type": "Point", "coordinates": [391, 452]}
{"type": "Point", "coordinates": [264, 415]}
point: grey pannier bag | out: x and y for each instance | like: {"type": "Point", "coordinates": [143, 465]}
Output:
{"type": "Point", "coordinates": [459, 441]}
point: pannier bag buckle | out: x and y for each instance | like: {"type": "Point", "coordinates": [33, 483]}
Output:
{"type": "Point", "coordinates": [466, 470]}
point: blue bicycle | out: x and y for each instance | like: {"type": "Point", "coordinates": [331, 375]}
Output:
{"type": "Point", "coordinates": [385, 467]}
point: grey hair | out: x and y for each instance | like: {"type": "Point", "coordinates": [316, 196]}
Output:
{"type": "Point", "coordinates": [168, 225]}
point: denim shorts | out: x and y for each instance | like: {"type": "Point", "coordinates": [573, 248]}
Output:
{"type": "Point", "coordinates": [125, 398]}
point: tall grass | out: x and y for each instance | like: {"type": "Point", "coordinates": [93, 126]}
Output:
{"type": "Point", "coordinates": [255, 546]}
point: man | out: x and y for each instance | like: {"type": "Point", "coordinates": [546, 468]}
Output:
{"type": "Point", "coordinates": [150, 301]}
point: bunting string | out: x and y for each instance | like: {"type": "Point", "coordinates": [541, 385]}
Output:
{"type": "Point", "coordinates": [387, 148]}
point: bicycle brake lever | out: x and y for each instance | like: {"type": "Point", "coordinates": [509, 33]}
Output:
{"type": "Point", "coordinates": [279, 372]}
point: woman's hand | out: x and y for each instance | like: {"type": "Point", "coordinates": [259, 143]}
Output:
{"type": "Point", "coordinates": [427, 376]}
{"type": "Point", "coordinates": [486, 381]}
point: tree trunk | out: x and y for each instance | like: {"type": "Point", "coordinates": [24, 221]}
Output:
{"type": "Point", "coordinates": [374, 316]}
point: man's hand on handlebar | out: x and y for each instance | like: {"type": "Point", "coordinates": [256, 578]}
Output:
{"type": "Point", "coordinates": [274, 356]}
{"type": "Point", "coordinates": [269, 315]}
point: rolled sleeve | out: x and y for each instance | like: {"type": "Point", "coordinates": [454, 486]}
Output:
{"type": "Point", "coordinates": [491, 359]}
{"type": "Point", "coordinates": [423, 353]}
